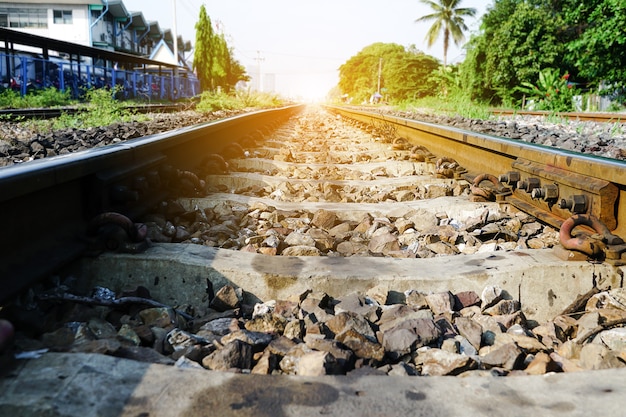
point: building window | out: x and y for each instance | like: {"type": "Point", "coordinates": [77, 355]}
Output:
{"type": "Point", "coordinates": [13, 17]}
{"type": "Point", "coordinates": [62, 17]}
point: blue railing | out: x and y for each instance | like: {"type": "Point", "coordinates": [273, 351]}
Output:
{"type": "Point", "coordinates": [26, 74]}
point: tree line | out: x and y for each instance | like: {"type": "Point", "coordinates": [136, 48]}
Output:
{"type": "Point", "coordinates": [521, 43]}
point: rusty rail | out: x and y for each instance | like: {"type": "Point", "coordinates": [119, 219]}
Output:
{"type": "Point", "coordinates": [550, 184]}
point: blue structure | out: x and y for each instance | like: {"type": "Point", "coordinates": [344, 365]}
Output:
{"type": "Point", "coordinates": [135, 77]}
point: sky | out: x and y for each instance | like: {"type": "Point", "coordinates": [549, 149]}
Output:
{"type": "Point", "coordinates": [303, 43]}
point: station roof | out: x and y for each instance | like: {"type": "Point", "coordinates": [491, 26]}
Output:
{"type": "Point", "coordinates": [139, 21]}
{"type": "Point", "coordinates": [47, 44]}
{"type": "Point", "coordinates": [155, 29]}
{"type": "Point", "coordinates": [117, 8]}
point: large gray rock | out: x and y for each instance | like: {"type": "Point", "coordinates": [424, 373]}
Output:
{"type": "Point", "coordinates": [350, 320]}
{"type": "Point", "coordinates": [357, 303]}
{"type": "Point", "coordinates": [409, 335]}
{"type": "Point", "coordinates": [470, 329]}
{"type": "Point", "coordinates": [317, 363]}
{"type": "Point", "coordinates": [508, 356]}
{"type": "Point", "coordinates": [361, 345]}
{"type": "Point", "coordinates": [235, 354]}
{"type": "Point", "coordinates": [226, 298]}
{"type": "Point", "coordinates": [440, 302]}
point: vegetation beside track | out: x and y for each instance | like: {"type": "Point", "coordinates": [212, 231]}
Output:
{"type": "Point", "coordinates": [529, 54]}
{"type": "Point", "coordinates": [101, 108]}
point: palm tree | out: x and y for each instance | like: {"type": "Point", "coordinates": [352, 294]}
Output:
{"type": "Point", "coordinates": [447, 17]}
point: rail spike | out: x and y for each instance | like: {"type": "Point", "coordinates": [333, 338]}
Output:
{"type": "Point", "coordinates": [594, 246]}
{"type": "Point", "coordinates": [107, 227]}
{"type": "Point", "coordinates": [446, 166]}
{"type": "Point", "coordinates": [487, 193]}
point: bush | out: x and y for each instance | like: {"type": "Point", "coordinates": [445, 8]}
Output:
{"type": "Point", "coordinates": [48, 97]}
{"type": "Point", "coordinates": [210, 101]}
{"type": "Point", "coordinates": [553, 92]}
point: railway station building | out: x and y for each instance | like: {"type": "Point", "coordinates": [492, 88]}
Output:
{"type": "Point", "coordinates": [106, 26]}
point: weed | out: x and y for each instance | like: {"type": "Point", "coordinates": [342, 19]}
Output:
{"type": "Point", "coordinates": [48, 97]}
{"type": "Point", "coordinates": [211, 101]}
{"type": "Point", "coordinates": [617, 128]}
{"type": "Point", "coordinates": [453, 105]}
{"type": "Point", "coordinates": [556, 118]}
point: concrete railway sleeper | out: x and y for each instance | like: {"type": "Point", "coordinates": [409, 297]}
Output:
{"type": "Point", "coordinates": [328, 257]}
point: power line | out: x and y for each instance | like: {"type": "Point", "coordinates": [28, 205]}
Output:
{"type": "Point", "coordinates": [190, 8]}
{"type": "Point", "coordinates": [299, 56]}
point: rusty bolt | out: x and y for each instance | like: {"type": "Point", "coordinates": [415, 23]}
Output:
{"type": "Point", "coordinates": [510, 178]}
{"type": "Point", "coordinates": [529, 184]}
{"type": "Point", "coordinates": [576, 203]}
{"type": "Point", "coordinates": [549, 192]}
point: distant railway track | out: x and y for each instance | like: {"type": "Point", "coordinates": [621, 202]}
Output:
{"type": "Point", "coordinates": [581, 116]}
{"type": "Point", "coordinates": [45, 113]}
{"type": "Point", "coordinates": [53, 112]}
{"type": "Point", "coordinates": [234, 203]}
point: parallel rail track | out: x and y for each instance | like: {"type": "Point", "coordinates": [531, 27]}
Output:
{"type": "Point", "coordinates": [52, 202]}
{"type": "Point", "coordinates": [56, 207]}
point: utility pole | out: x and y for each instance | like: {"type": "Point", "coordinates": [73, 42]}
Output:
{"type": "Point", "coordinates": [258, 60]}
{"type": "Point", "coordinates": [380, 70]}
{"type": "Point", "coordinates": [175, 35]}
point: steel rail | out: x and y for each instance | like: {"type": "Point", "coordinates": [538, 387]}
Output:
{"type": "Point", "coordinates": [48, 205]}
{"type": "Point", "coordinates": [601, 117]}
{"type": "Point", "coordinates": [548, 183]}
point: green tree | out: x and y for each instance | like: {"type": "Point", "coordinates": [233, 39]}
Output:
{"type": "Point", "coordinates": [518, 39]}
{"type": "Point", "coordinates": [448, 19]}
{"type": "Point", "coordinates": [409, 76]}
{"type": "Point", "coordinates": [405, 72]}
{"type": "Point", "coordinates": [203, 55]}
{"type": "Point", "coordinates": [236, 72]}
{"type": "Point", "coordinates": [599, 50]}
{"type": "Point", "coordinates": [213, 60]}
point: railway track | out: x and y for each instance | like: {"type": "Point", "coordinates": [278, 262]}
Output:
{"type": "Point", "coordinates": [601, 117]}
{"type": "Point", "coordinates": [542, 181]}
{"type": "Point", "coordinates": [50, 113]}
{"type": "Point", "coordinates": [309, 203]}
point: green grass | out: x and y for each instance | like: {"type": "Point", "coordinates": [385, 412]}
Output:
{"type": "Point", "coordinates": [49, 97]}
{"type": "Point", "coordinates": [100, 109]}
{"type": "Point", "coordinates": [449, 106]}
{"type": "Point", "coordinates": [210, 101]}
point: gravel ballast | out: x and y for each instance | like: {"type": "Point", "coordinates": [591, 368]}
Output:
{"type": "Point", "coordinates": [19, 143]}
